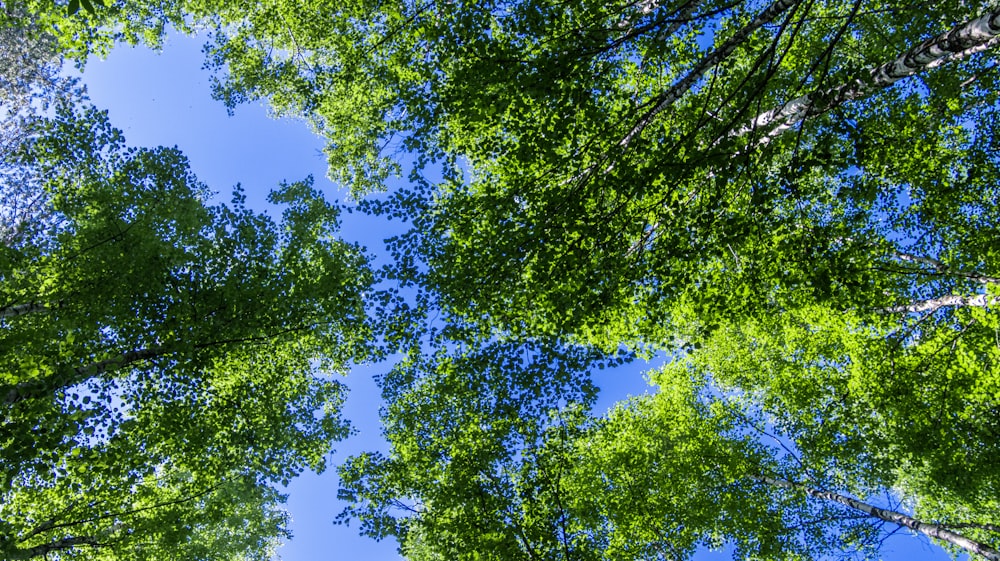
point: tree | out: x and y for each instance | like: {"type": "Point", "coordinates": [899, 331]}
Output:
{"type": "Point", "coordinates": [705, 179]}
{"type": "Point", "coordinates": [165, 363]}
{"type": "Point", "coordinates": [618, 165]}
{"type": "Point", "coordinates": [660, 476]}
{"type": "Point", "coordinates": [615, 158]}
{"type": "Point", "coordinates": [461, 422]}
{"type": "Point", "coordinates": [910, 408]}
{"type": "Point", "coordinates": [30, 83]}
{"type": "Point", "coordinates": [838, 275]}
{"type": "Point", "coordinates": [683, 211]}
{"type": "Point", "coordinates": [800, 512]}
{"type": "Point", "coordinates": [626, 157]}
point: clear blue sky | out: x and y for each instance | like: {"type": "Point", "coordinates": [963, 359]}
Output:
{"type": "Point", "coordinates": [165, 99]}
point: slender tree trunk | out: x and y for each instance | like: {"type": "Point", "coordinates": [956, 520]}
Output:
{"type": "Point", "coordinates": [960, 42]}
{"type": "Point", "coordinates": [712, 59]}
{"type": "Point", "coordinates": [949, 301]}
{"type": "Point", "coordinates": [31, 389]}
{"type": "Point", "coordinates": [935, 531]}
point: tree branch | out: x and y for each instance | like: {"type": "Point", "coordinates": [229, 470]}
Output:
{"type": "Point", "coordinates": [16, 310]}
{"type": "Point", "coordinates": [64, 377]}
{"type": "Point", "coordinates": [44, 549]}
{"type": "Point", "coordinates": [15, 393]}
{"type": "Point", "coordinates": [960, 42]}
{"type": "Point", "coordinates": [935, 531]}
{"type": "Point", "coordinates": [677, 90]}
{"type": "Point", "coordinates": [943, 269]}
{"type": "Point", "coordinates": [949, 301]}
{"type": "Point", "coordinates": [134, 511]}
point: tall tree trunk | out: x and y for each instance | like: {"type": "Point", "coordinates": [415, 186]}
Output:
{"type": "Point", "coordinates": [960, 42]}
{"type": "Point", "coordinates": [935, 531]}
{"type": "Point", "coordinates": [678, 89]}
{"type": "Point", "coordinates": [949, 301]}
{"type": "Point", "coordinates": [65, 377]}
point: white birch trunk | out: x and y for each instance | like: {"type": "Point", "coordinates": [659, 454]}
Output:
{"type": "Point", "coordinates": [949, 301]}
{"type": "Point", "coordinates": [960, 42]}
{"type": "Point", "coordinates": [935, 531]}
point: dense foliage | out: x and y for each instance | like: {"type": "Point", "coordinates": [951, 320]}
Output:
{"type": "Point", "coordinates": [165, 364]}
{"type": "Point", "coordinates": [794, 201]}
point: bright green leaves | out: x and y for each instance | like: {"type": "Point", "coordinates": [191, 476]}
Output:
{"type": "Point", "coordinates": [465, 425]}
{"type": "Point", "coordinates": [167, 363]}
{"type": "Point", "coordinates": [74, 6]}
{"type": "Point", "coordinates": [662, 475]}
{"type": "Point", "coordinates": [619, 192]}
{"type": "Point", "coordinates": [232, 519]}
{"type": "Point", "coordinates": [872, 404]}
{"type": "Point", "coordinates": [724, 182]}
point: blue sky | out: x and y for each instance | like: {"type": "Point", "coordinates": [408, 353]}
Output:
{"type": "Point", "coordinates": [165, 99]}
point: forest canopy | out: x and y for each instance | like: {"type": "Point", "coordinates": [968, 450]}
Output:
{"type": "Point", "coordinates": [167, 364]}
{"type": "Point", "coordinates": [795, 203]}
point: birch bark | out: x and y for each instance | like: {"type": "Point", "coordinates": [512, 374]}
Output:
{"type": "Point", "coordinates": [961, 41]}
{"type": "Point", "coordinates": [935, 531]}
{"type": "Point", "coordinates": [949, 301]}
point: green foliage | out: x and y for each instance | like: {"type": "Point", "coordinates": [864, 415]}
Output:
{"type": "Point", "coordinates": [623, 184]}
{"type": "Point", "coordinates": [871, 408]}
{"type": "Point", "coordinates": [794, 201]}
{"type": "Point", "coordinates": [454, 418]}
{"type": "Point", "coordinates": [165, 363]}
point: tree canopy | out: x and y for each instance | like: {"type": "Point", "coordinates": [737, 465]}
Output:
{"type": "Point", "coordinates": [794, 201]}
{"type": "Point", "coordinates": [166, 363]}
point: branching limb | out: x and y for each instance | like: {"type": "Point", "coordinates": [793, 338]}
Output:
{"type": "Point", "coordinates": [672, 94]}
{"type": "Point", "coordinates": [960, 42]}
{"type": "Point", "coordinates": [943, 269]}
{"type": "Point", "coordinates": [932, 530]}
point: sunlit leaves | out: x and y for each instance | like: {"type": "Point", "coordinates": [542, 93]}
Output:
{"type": "Point", "coordinates": [166, 363]}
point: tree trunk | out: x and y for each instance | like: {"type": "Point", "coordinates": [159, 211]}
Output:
{"type": "Point", "coordinates": [31, 389]}
{"type": "Point", "coordinates": [961, 41]}
{"type": "Point", "coordinates": [677, 90]}
{"type": "Point", "coordinates": [935, 531]}
{"type": "Point", "coordinates": [949, 301]}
